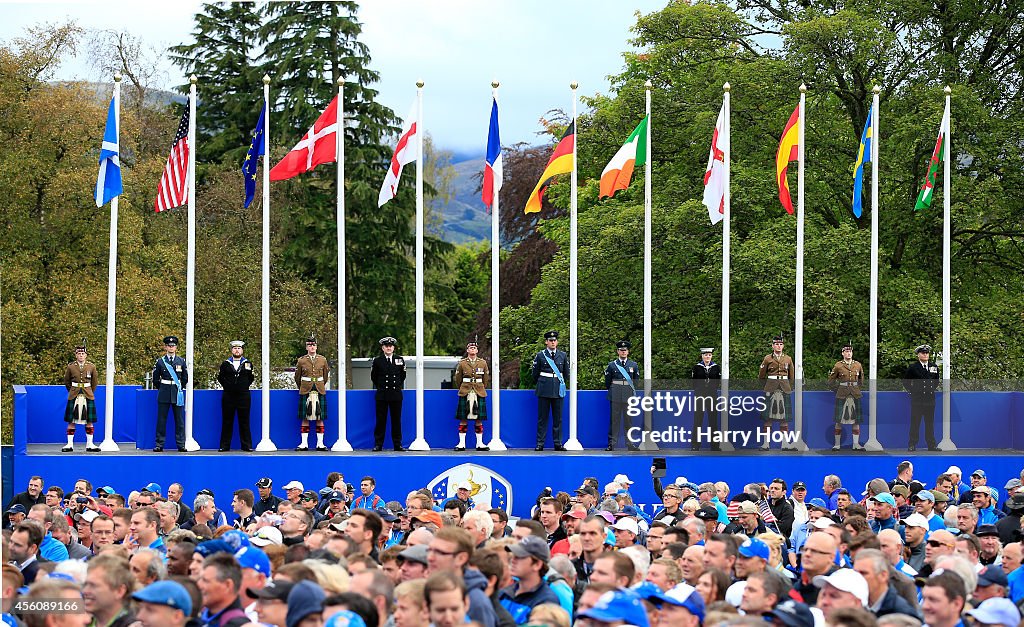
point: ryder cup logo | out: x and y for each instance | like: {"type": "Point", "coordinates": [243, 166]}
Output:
{"type": "Point", "coordinates": [487, 489]}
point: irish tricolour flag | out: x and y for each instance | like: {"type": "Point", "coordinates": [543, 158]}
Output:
{"type": "Point", "coordinates": [924, 199]}
{"type": "Point", "coordinates": [619, 171]}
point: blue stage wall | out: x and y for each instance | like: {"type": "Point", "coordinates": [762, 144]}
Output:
{"type": "Point", "coordinates": [520, 475]}
{"type": "Point", "coordinates": [979, 420]}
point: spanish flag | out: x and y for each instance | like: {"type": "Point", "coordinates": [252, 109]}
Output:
{"type": "Point", "coordinates": [559, 163]}
{"type": "Point", "coordinates": [789, 150]}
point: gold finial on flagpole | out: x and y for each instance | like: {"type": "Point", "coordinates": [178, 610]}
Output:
{"type": "Point", "coordinates": [726, 87]}
{"type": "Point", "coordinates": [420, 83]}
{"type": "Point", "coordinates": [192, 79]}
{"type": "Point", "coordinates": [495, 84]}
{"type": "Point", "coordinates": [876, 89]}
{"type": "Point", "coordinates": [573, 85]}
{"type": "Point", "coordinates": [341, 81]}
{"type": "Point", "coordinates": [649, 84]}
{"type": "Point", "coordinates": [266, 79]}
{"type": "Point", "coordinates": [947, 90]}
{"type": "Point", "coordinates": [117, 77]}
{"type": "Point", "coordinates": [803, 88]}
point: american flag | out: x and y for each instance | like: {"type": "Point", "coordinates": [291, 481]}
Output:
{"type": "Point", "coordinates": [173, 189]}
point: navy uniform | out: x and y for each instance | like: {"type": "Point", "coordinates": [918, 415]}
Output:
{"type": "Point", "coordinates": [388, 376]}
{"type": "Point", "coordinates": [170, 375]}
{"type": "Point", "coordinates": [778, 373]}
{"type": "Point", "coordinates": [235, 376]}
{"type": "Point", "coordinates": [81, 379]}
{"type": "Point", "coordinates": [551, 389]}
{"type": "Point", "coordinates": [311, 373]}
{"type": "Point", "coordinates": [847, 379]}
{"type": "Point", "coordinates": [472, 378]}
{"type": "Point", "coordinates": [705, 374]}
{"type": "Point", "coordinates": [922, 380]}
{"type": "Point", "coordinates": [621, 377]}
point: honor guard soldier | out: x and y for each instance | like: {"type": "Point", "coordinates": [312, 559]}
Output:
{"type": "Point", "coordinates": [621, 377]}
{"type": "Point", "coordinates": [550, 370]}
{"type": "Point", "coordinates": [921, 380]}
{"type": "Point", "coordinates": [705, 374]}
{"type": "Point", "coordinates": [778, 373]}
{"type": "Point", "coordinates": [235, 376]}
{"type": "Point", "coordinates": [847, 379]}
{"type": "Point", "coordinates": [81, 379]}
{"type": "Point", "coordinates": [170, 374]}
{"type": "Point", "coordinates": [311, 372]}
{"type": "Point", "coordinates": [388, 376]}
{"type": "Point", "coordinates": [472, 378]}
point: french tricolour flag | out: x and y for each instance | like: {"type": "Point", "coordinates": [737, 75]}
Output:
{"type": "Point", "coordinates": [492, 163]}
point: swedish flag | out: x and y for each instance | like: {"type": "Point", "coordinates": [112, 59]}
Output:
{"type": "Point", "coordinates": [863, 156]}
{"type": "Point", "coordinates": [252, 158]}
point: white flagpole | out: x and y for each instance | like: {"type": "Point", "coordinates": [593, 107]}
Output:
{"type": "Point", "coordinates": [265, 444]}
{"type": "Point", "coordinates": [646, 444]}
{"type": "Point", "coordinates": [419, 444]}
{"type": "Point", "coordinates": [573, 444]}
{"type": "Point", "coordinates": [798, 405]}
{"type": "Point", "coordinates": [496, 444]}
{"type": "Point", "coordinates": [190, 271]}
{"type": "Point", "coordinates": [873, 444]}
{"type": "Point", "coordinates": [947, 363]}
{"type": "Point", "coordinates": [342, 443]}
{"type": "Point", "coordinates": [726, 254]}
{"type": "Point", "coordinates": [108, 444]}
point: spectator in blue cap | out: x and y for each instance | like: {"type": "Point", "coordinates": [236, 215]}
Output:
{"type": "Point", "coordinates": [305, 601]}
{"type": "Point", "coordinates": [163, 604]}
{"type": "Point", "coordinates": [992, 583]}
{"type": "Point", "coordinates": [790, 613]}
{"type": "Point", "coordinates": [996, 611]}
{"type": "Point", "coordinates": [753, 557]}
{"type": "Point", "coordinates": [618, 607]}
{"type": "Point", "coordinates": [256, 573]}
{"type": "Point", "coordinates": [682, 606]}
{"type": "Point", "coordinates": [885, 512]}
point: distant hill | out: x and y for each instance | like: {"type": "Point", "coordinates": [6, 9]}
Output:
{"type": "Point", "coordinates": [466, 218]}
{"type": "Point", "coordinates": [154, 98]}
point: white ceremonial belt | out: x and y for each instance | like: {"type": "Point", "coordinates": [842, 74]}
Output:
{"type": "Point", "coordinates": [312, 378]}
{"type": "Point", "coordinates": [848, 383]}
{"type": "Point", "coordinates": [620, 382]}
{"type": "Point", "coordinates": [549, 374]}
{"type": "Point", "coordinates": [474, 380]}
{"type": "Point", "coordinates": [777, 376]}
{"type": "Point", "coordinates": [79, 385]}
{"type": "Point", "coordinates": [167, 382]}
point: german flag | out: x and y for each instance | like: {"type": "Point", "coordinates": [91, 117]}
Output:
{"type": "Point", "coordinates": [559, 163]}
{"type": "Point", "coordinates": [789, 150]}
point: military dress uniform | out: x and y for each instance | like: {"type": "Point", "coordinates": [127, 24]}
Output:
{"type": "Point", "coordinates": [388, 376]}
{"type": "Point", "coordinates": [235, 376]}
{"type": "Point", "coordinates": [921, 380]}
{"type": "Point", "coordinates": [311, 372]}
{"type": "Point", "coordinates": [778, 373]}
{"type": "Point", "coordinates": [847, 379]}
{"type": "Point", "coordinates": [81, 380]}
{"type": "Point", "coordinates": [169, 395]}
{"type": "Point", "coordinates": [472, 376]}
{"type": "Point", "coordinates": [620, 390]}
{"type": "Point", "coordinates": [705, 397]}
{"type": "Point", "coordinates": [550, 391]}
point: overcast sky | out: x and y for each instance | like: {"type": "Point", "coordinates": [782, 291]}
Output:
{"type": "Point", "coordinates": [534, 48]}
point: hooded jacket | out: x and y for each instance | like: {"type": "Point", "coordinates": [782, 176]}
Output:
{"type": "Point", "coordinates": [480, 608]}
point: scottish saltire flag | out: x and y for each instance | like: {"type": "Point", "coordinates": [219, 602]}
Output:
{"type": "Point", "coordinates": [251, 162]}
{"type": "Point", "coordinates": [863, 156]}
{"type": "Point", "coordinates": [108, 182]}
{"type": "Point", "coordinates": [492, 162]}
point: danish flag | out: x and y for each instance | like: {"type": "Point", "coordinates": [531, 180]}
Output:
{"type": "Point", "coordinates": [317, 146]}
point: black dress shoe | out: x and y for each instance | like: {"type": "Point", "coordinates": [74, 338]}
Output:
{"type": "Point", "coordinates": [912, 448]}
{"type": "Point", "coordinates": [399, 449]}
{"type": "Point", "coordinates": [460, 448]}
{"type": "Point", "coordinates": [92, 449]}
{"type": "Point", "coordinates": [610, 448]}
{"type": "Point", "coordinates": [539, 448]}
{"type": "Point", "coordinates": [933, 448]}
{"type": "Point", "coordinates": [223, 450]}
{"type": "Point", "coordinates": [559, 447]}
{"type": "Point", "coordinates": [301, 448]}
{"type": "Point", "coordinates": [247, 449]}
{"type": "Point", "coordinates": [378, 449]}
{"type": "Point", "coordinates": [483, 448]}
{"type": "Point", "coordinates": [321, 448]}
{"type": "Point", "coordinates": [68, 449]}
{"type": "Point", "coordinates": [181, 449]}
{"type": "Point", "coordinates": [158, 449]}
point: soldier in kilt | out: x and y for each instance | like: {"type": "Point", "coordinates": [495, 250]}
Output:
{"type": "Point", "coordinates": [847, 379]}
{"type": "Point", "coordinates": [81, 379]}
{"type": "Point", "coordinates": [778, 373]}
{"type": "Point", "coordinates": [311, 372]}
{"type": "Point", "coordinates": [472, 378]}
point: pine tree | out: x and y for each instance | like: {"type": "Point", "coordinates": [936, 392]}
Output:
{"type": "Point", "coordinates": [222, 56]}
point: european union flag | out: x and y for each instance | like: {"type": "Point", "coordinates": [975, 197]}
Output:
{"type": "Point", "coordinates": [252, 158]}
{"type": "Point", "coordinates": [863, 156]}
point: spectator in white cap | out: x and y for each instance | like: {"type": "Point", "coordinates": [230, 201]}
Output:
{"type": "Point", "coordinates": [623, 480]}
{"type": "Point", "coordinates": [463, 492]}
{"type": "Point", "coordinates": [883, 599]}
{"type": "Point", "coordinates": [959, 487]}
{"type": "Point", "coordinates": [843, 588]}
{"type": "Point", "coordinates": [626, 531]}
{"type": "Point", "coordinates": [293, 490]}
{"type": "Point", "coordinates": [996, 612]}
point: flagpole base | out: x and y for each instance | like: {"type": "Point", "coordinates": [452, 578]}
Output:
{"type": "Point", "coordinates": [191, 445]}
{"type": "Point", "coordinates": [726, 447]}
{"type": "Point", "coordinates": [342, 446]}
{"type": "Point", "coordinates": [647, 445]}
{"type": "Point", "coordinates": [873, 446]}
{"type": "Point", "coordinates": [799, 445]}
{"type": "Point", "coordinates": [497, 445]}
{"type": "Point", "coordinates": [109, 446]}
{"type": "Point", "coordinates": [266, 446]}
{"type": "Point", "coordinates": [573, 445]}
{"type": "Point", "coordinates": [419, 444]}
{"type": "Point", "coordinates": [947, 445]}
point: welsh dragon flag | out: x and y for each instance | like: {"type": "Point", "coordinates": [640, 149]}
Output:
{"type": "Point", "coordinates": [924, 199]}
